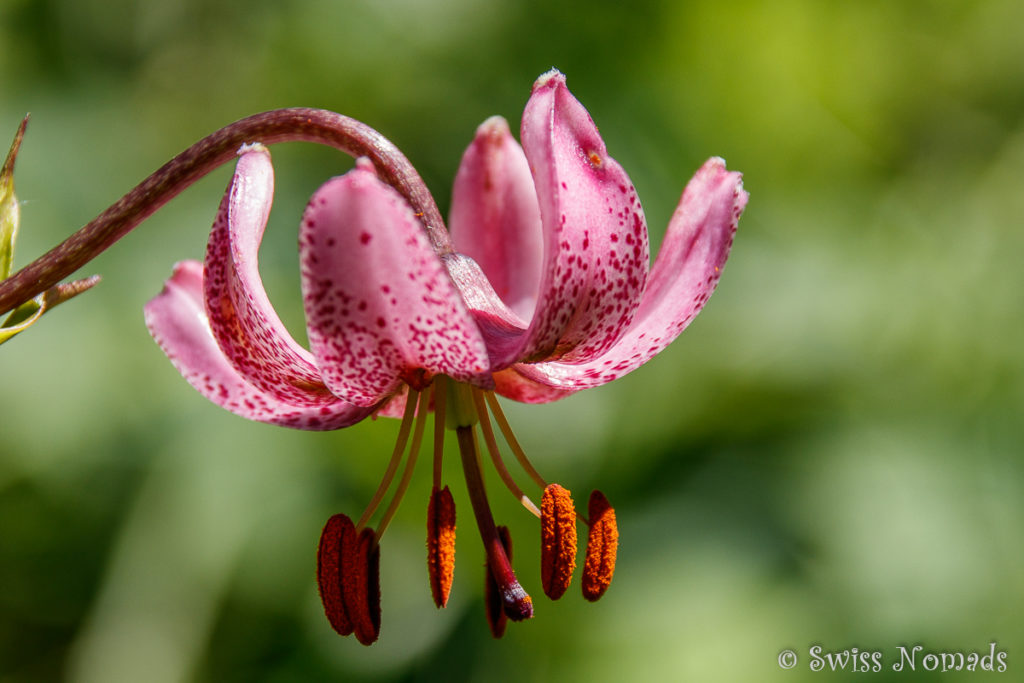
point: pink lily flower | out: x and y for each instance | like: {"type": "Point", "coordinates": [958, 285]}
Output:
{"type": "Point", "coordinates": [546, 289]}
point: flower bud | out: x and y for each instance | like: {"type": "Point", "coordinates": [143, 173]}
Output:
{"type": "Point", "coordinates": [9, 212]}
{"type": "Point", "coordinates": [25, 315]}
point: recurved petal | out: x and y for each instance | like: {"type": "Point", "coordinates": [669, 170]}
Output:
{"type": "Point", "coordinates": [494, 217]}
{"type": "Point", "coordinates": [685, 274]}
{"type": "Point", "coordinates": [178, 323]}
{"type": "Point", "coordinates": [380, 306]}
{"type": "Point", "coordinates": [242, 319]}
{"type": "Point", "coordinates": [595, 235]}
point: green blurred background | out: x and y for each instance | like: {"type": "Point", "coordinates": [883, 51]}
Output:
{"type": "Point", "coordinates": [830, 455]}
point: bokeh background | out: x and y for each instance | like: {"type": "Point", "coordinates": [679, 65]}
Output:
{"type": "Point", "coordinates": [830, 455]}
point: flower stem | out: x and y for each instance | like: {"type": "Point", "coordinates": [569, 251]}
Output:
{"type": "Point", "coordinates": [516, 603]}
{"type": "Point", "coordinates": [279, 125]}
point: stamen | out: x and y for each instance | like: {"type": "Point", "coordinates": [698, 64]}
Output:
{"type": "Point", "coordinates": [440, 404]}
{"type": "Point", "coordinates": [396, 457]}
{"type": "Point", "coordinates": [441, 512]}
{"type": "Point", "coordinates": [410, 464]}
{"type": "Point", "coordinates": [496, 617]}
{"type": "Point", "coordinates": [337, 541]}
{"type": "Point", "coordinates": [602, 547]}
{"type": "Point", "coordinates": [510, 438]}
{"type": "Point", "coordinates": [492, 448]}
{"type": "Point", "coordinates": [361, 587]}
{"type": "Point", "coordinates": [441, 544]}
{"type": "Point", "coordinates": [516, 604]}
{"type": "Point", "coordinates": [558, 540]}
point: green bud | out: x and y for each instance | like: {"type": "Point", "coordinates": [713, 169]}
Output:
{"type": "Point", "coordinates": [9, 211]}
{"type": "Point", "coordinates": [21, 318]}
{"type": "Point", "coordinates": [25, 315]}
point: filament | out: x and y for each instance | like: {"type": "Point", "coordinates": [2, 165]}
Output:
{"type": "Point", "coordinates": [396, 456]}
{"type": "Point", "coordinates": [440, 404]}
{"type": "Point", "coordinates": [492, 448]}
{"type": "Point", "coordinates": [510, 438]}
{"type": "Point", "coordinates": [410, 463]}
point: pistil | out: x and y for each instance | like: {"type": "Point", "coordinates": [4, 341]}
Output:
{"type": "Point", "coordinates": [516, 604]}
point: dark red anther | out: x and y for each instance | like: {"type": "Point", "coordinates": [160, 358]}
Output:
{"type": "Point", "coordinates": [361, 587]}
{"type": "Point", "coordinates": [337, 540]}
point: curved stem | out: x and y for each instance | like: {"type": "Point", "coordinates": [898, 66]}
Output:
{"type": "Point", "coordinates": [279, 125]}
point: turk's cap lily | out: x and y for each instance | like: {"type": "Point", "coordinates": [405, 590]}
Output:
{"type": "Point", "coordinates": [544, 289]}
{"type": "Point", "coordinates": [548, 289]}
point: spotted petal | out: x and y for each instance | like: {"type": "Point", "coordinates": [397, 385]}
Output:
{"type": "Point", "coordinates": [595, 236]}
{"type": "Point", "coordinates": [495, 219]}
{"type": "Point", "coordinates": [241, 317]}
{"type": "Point", "coordinates": [380, 306]}
{"type": "Point", "coordinates": [178, 322]}
{"type": "Point", "coordinates": [685, 274]}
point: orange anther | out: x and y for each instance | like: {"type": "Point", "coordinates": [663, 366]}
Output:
{"type": "Point", "coordinates": [558, 540]}
{"type": "Point", "coordinates": [602, 546]}
{"type": "Point", "coordinates": [441, 544]}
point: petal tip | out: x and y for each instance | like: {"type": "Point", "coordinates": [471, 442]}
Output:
{"type": "Point", "coordinates": [715, 162]}
{"type": "Point", "coordinates": [554, 77]}
{"type": "Point", "coordinates": [366, 165]}
{"type": "Point", "coordinates": [250, 147]}
{"type": "Point", "coordinates": [188, 274]}
{"type": "Point", "coordinates": [493, 129]}
{"type": "Point", "coordinates": [715, 167]}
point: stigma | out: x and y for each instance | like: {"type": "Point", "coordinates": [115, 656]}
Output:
{"type": "Point", "coordinates": [348, 558]}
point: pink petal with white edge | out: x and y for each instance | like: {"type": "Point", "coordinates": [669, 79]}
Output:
{"type": "Point", "coordinates": [494, 217]}
{"type": "Point", "coordinates": [380, 306]}
{"type": "Point", "coordinates": [689, 265]}
{"type": "Point", "coordinates": [178, 323]}
{"type": "Point", "coordinates": [596, 249]}
{"type": "Point", "coordinates": [242, 319]}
